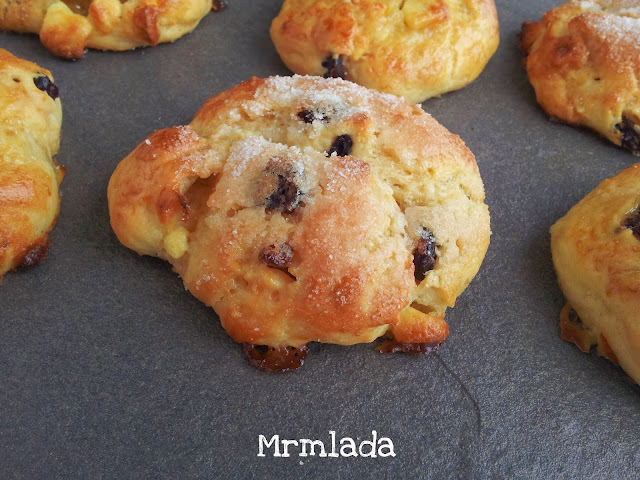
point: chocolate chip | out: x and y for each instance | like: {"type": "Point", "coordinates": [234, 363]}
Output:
{"type": "Point", "coordinates": [630, 134]}
{"type": "Point", "coordinates": [276, 256]}
{"type": "Point", "coordinates": [334, 66]}
{"type": "Point", "coordinates": [275, 359]}
{"type": "Point", "coordinates": [218, 5]}
{"type": "Point", "coordinates": [633, 222]}
{"type": "Point", "coordinates": [341, 146]}
{"type": "Point", "coordinates": [45, 84]}
{"type": "Point", "coordinates": [311, 115]}
{"type": "Point", "coordinates": [424, 255]}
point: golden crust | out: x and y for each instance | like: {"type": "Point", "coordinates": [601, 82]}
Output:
{"type": "Point", "coordinates": [413, 48]}
{"type": "Point", "coordinates": [335, 261]}
{"type": "Point", "coordinates": [583, 60]}
{"type": "Point", "coordinates": [596, 253]}
{"type": "Point", "coordinates": [67, 27]}
{"type": "Point", "coordinates": [30, 122]}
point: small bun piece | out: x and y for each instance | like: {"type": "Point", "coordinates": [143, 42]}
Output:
{"type": "Point", "coordinates": [583, 60]}
{"type": "Point", "coordinates": [416, 49]}
{"type": "Point", "coordinates": [67, 27]}
{"type": "Point", "coordinates": [308, 209]}
{"type": "Point", "coordinates": [596, 254]}
{"type": "Point", "coordinates": [30, 119]}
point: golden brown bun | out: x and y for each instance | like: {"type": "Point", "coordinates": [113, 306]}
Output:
{"type": "Point", "coordinates": [596, 254]}
{"type": "Point", "coordinates": [413, 48]}
{"type": "Point", "coordinates": [30, 118]}
{"type": "Point", "coordinates": [66, 28]}
{"type": "Point", "coordinates": [583, 60]}
{"type": "Point", "coordinates": [290, 245]}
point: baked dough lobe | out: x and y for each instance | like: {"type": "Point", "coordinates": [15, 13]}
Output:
{"type": "Point", "coordinates": [416, 49]}
{"type": "Point", "coordinates": [30, 119]}
{"type": "Point", "coordinates": [67, 27]}
{"type": "Point", "coordinates": [596, 254]}
{"type": "Point", "coordinates": [583, 60]}
{"type": "Point", "coordinates": [291, 243]}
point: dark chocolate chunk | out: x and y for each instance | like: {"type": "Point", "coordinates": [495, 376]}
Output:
{"type": "Point", "coordinates": [630, 134]}
{"type": "Point", "coordinates": [275, 359]}
{"type": "Point", "coordinates": [334, 66]}
{"type": "Point", "coordinates": [218, 5]}
{"type": "Point", "coordinates": [342, 146]}
{"type": "Point", "coordinates": [277, 256]}
{"type": "Point", "coordinates": [424, 255]}
{"type": "Point", "coordinates": [633, 222]}
{"type": "Point", "coordinates": [45, 84]}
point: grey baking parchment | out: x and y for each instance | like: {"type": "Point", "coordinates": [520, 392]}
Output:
{"type": "Point", "coordinates": [110, 369]}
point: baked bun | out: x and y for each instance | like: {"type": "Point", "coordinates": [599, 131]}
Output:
{"type": "Point", "coordinates": [308, 209]}
{"type": "Point", "coordinates": [67, 27]}
{"type": "Point", "coordinates": [596, 254]}
{"type": "Point", "coordinates": [413, 48]}
{"type": "Point", "coordinates": [583, 60]}
{"type": "Point", "coordinates": [30, 118]}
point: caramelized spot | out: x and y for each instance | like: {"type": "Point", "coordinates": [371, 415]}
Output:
{"type": "Point", "coordinates": [275, 359]}
{"type": "Point", "coordinates": [633, 222]}
{"type": "Point", "coordinates": [277, 257]}
{"type": "Point", "coordinates": [341, 146]}
{"type": "Point", "coordinates": [334, 66]}
{"type": "Point", "coordinates": [35, 255]}
{"type": "Point", "coordinates": [218, 5]}
{"type": "Point", "coordinates": [391, 346]}
{"type": "Point", "coordinates": [630, 134]}
{"type": "Point", "coordinates": [45, 84]}
{"type": "Point", "coordinates": [424, 255]}
{"type": "Point", "coordinates": [573, 330]}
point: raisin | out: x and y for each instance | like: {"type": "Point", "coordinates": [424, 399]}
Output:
{"type": "Point", "coordinates": [218, 5]}
{"type": "Point", "coordinates": [424, 255]}
{"type": "Point", "coordinates": [630, 134]}
{"type": "Point", "coordinates": [342, 146]}
{"type": "Point", "coordinates": [275, 359]}
{"type": "Point", "coordinates": [278, 188]}
{"type": "Point", "coordinates": [276, 256]}
{"type": "Point", "coordinates": [573, 317]}
{"type": "Point", "coordinates": [334, 66]}
{"type": "Point", "coordinates": [633, 223]}
{"type": "Point", "coordinates": [286, 197]}
{"type": "Point", "coordinates": [45, 84]}
{"type": "Point", "coordinates": [311, 115]}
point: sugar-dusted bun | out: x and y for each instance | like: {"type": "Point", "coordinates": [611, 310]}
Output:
{"type": "Point", "coordinates": [66, 28]}
{"type": "Point", "coordinates": [416, 49]}
{"type": "Point", "coordinates": [596, 254]}
{"type": "Point", "coordinates": [30, 119]}
{"type": "Point", "coordinates": [583, 60]}
{"type": "Point", "coordinates": [309, 209]}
